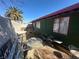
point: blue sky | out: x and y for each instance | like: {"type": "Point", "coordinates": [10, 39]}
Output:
{"type": "Point", "coordinates": [33, 9]}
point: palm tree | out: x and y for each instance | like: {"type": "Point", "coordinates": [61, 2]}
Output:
{"type": "Point", "coordinates": [14, 14]}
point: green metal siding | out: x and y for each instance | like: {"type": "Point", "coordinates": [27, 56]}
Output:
{"type": "Point", "coordinates": [73, 35]}
{"type": "Point", "coordinates": [73, 32]}
{"type": "Point", "coordinates": [46, 26]}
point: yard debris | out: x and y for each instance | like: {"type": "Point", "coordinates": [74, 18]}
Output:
{"type": "Point", "coordinates": [38, 50]}
{"type": "Point", "coordinates": [46, 52]}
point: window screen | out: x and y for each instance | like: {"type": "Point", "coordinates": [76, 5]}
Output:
{"type": "Point", "coordinates": [38, 24]}
{"type": "Point", "coordinates": [64, 25]}
{"type": "Point", "coordinates": [61, 25]}
{"type": "Point", "coordinates": [56, 25]}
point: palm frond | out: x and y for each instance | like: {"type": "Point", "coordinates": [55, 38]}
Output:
{"type": "Point", "coordinates": [14, 13]}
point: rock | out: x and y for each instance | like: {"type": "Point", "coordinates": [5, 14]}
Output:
{"type": "Point", "coordinates": [34, 42]}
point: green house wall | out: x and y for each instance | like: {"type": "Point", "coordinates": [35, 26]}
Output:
{"type": "Point", "coordinates": [46, 27]}
{"type": "Point", "coordinates": [73, 34]}
{"type": "Point", "coordinates": [73, 31]}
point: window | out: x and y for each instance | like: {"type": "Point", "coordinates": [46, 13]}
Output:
{"type": "Point", "coordinates": [56, 25]}
{"type": "Point", "coordinates": [34, 25]}
{"type": "Point", "coordinates": [61, 25]}
{"type": "Point", "coordinates": [38, 24]}
{"type": "Point", "coordinates": [64, 25]}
